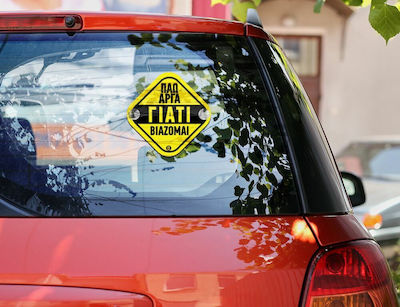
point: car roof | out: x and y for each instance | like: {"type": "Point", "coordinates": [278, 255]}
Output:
{"type": "Point", "coordinates": [122, 21]}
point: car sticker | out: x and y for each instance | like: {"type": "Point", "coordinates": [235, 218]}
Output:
{"type": "Point", "coordinates": [169, 114]}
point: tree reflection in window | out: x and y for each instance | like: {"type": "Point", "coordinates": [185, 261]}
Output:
{"type": "Point", "coordinates": [243, 129]}
{"type": "Point", "coordinates": [249, 134]}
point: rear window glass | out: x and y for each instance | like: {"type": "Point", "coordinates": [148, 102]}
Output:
{"type": "Point", "coordinates": [72, 137]}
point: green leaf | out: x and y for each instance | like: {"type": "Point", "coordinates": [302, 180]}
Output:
{"type": "Point", "coordinates": [200, 74]}
{"type": "Point", "coordinates": [182, 154]}
{"type": "Point", "coordinates": [263, 189]}
{"type": "Point", "coordinates": [147, 37]}
{"type": "Point", "coordinates": [174, 46]}
{"type": "Point", "coordinates": [251, 203]}
{"type": "Point", "coordinates": [258, 140]}
{"type": "Point", "coordinates": [164, 37]}
{"type": "Point", "coordinates": [168, 159]}
{"type": "Point", "coordinates": [256, 156]}
{"type": "Point", "coordinates": [318, 6]}
{"type": "Point", "coordinates": [235, 124]}
{"type": "Point", "coordinates": [193, 85]}
{"type": "Point", "coordinates": [135, 40]}
{"type": "Point", "coordinates": [239, 9]}
{"type": "Point", "coordinates": [238, 191]}
{"type": "Point", "coordinates": [244, 137]}
{"type": "Point", "coordinates": [236, 206]}
{"type": "Point", "coordinates": [193, 147]}
{"type": "Point", "coordinates": [272, 179]}
{"type": "Point", "coordinates": [156, 44]}
{"type": "Point", "coordinates": [366, 3]}
{"type": "Point", "coordinates": [241, 157]}
{"type": "Point", "coordinates": [219, 147]}
{"type": "Point", "coordinates": [353, 2]}
{"type": "Point", "coordinates": [247, 171]}
{"type": "Point", "coordinates": [224, 134]}
{"type": "Point", "coordinates": [139, 87]}
{"type": "Point", "coordinates": [251, 186]}
{"type": "Point", "coordinates": [385, 19]}
{"type": "Point", "coordinates": [234, 150]}
{"type": "Point", "coordinates": [224, 2]}
{"type": "Point", "coordinates": [208, 88]}
{"type": "Point", "coordinates": [204, 138]}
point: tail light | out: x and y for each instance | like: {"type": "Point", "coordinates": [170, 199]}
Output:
{"type": "Point", "coordinates": [354, 275]}
{"type": "Point", "coordinates": [40, 22]}
{"type": "Point", "coordinates": [372, 221]}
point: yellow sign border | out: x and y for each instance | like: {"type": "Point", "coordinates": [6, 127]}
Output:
{"type": "Point", "coordinates": [146, 92]}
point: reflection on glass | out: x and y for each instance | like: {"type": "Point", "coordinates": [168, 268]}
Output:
{"type": "Point", "coordinates": [302, 52]}
{"type": "Point", "coordinates": [349, 186]}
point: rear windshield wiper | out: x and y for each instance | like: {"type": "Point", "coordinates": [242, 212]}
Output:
{"type": "Point", "coordinates": [9, 208]}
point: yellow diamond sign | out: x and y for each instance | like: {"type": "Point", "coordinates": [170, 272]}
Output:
{"type": "Point", "coordinates": [169, 114]}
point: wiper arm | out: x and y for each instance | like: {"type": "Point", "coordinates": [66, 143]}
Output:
{"type": "Point", "coordinates": [14, 208]}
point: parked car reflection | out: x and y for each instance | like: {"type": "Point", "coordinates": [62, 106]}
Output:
{"type": "Point", "coordinates": [377, 161]}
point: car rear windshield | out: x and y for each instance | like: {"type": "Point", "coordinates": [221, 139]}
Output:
{"type": "Point", "coordinates": [137, 124]}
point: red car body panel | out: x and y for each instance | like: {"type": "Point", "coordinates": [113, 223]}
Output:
{"type": "Point", "coordinates": [138, 22]}
{"type": "Point", "coordinates": [257, 32]}
{"type": "Point", "coordinates": [332, 229]}
{"type": "Point", "coordinates": [24, 295]}
{"type": "Point", "coordinates": [155, 23]}
{"type": "Point", "coordinates": [215, 261]}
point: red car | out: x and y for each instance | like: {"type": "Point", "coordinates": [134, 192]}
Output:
{"type": "Point", "coordinates": [169, 161]}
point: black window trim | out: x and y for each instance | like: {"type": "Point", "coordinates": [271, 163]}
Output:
{"type": "Point", "coordinates": [327, 204]}
{"type": "Point", "coordinates": [266, 78]}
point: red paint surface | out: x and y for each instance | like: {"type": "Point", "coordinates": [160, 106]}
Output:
{"type": "Point", "coordinates": [23, 295]}
{"type": "Point", "coordinates": [98, 21]}
{"type": "Point", "coordinates": [203, 8]}
{"type": "Point", "coordinates": [334, 229]}
{"type": "Point", "coordinates": [258, 32]}
{"type": "Point", "coordinates": [212, 261]}
{"type": "Point", "coordinates": [37, 22]}
{"type": "Point", "coordinates": [138, 22]}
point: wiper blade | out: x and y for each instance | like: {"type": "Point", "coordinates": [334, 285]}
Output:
{"type": "Point", "coordinates": [81, 85]}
